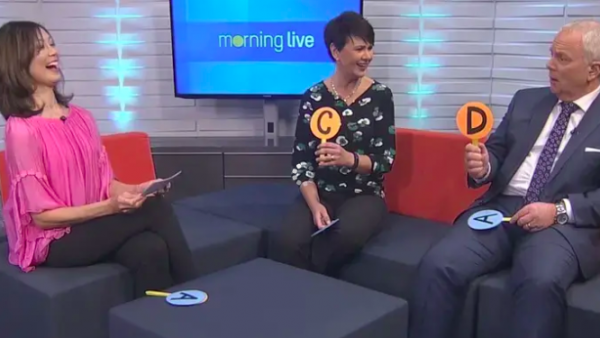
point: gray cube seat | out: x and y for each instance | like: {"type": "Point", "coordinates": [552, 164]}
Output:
{"type": "Point", "coordinates": [394, 255]}
{"type": "Point", "coordinates": [389, 263]}
{"type": "Point", "coordinates": [263, 206]}
{"type": "Point", "coordinates": [266, 299]}
{"type": "Point", "coordinates": [583, 308]}
{"type": "Point", "coordinates": [60, 303]}
{"type": "Point", "coordinates": [216, 242]}
{"type": "Point", "coordinates": [74, 302]}
{"type": "Point", "coordinates": [396, 251]}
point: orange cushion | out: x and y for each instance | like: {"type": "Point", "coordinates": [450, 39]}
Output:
{"type": "Point", "coordinates": [428, 179]}
{"type": "Point", "coordinates": [129, 154]}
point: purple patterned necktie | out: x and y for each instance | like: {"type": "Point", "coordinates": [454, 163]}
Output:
{"type": "Point", "coordinates": [546, 160]}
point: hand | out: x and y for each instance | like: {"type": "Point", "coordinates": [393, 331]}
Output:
{"type": "Point", "coordinates": [333, 154]}
{"type": "Point", "coordinates": [320, 216]}
{"type": "Point", "coordinates": [140, 188]}
{"type": "Point", "coordinates": [535, 216]}
{"type": "Point", "coordinates": [477, 160]}
{"type": "Point", "coordinates": [127, 202]}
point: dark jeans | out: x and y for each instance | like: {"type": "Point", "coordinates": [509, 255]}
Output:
{"type": "Point", "coordinates": [360, 217]}
{"type": "Point", "coordinates": [149, 242]}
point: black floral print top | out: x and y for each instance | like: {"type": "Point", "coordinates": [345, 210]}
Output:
{"type": "Point", "coordinates": [367, 129]}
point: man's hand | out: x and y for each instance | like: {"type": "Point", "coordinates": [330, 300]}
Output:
{"type": "Point", "coordinates": [535, 216]}
{"type": "Point", "coordinates": [330, 153]}
{"type": "Point", "coordinates": [477, 160]}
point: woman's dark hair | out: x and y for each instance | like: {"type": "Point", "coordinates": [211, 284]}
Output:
{"type": "Point", "coordinates": [19, 44]}
{"type": "Point", "coordinates": [346, 26]}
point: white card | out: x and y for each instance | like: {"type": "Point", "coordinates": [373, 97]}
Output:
{"type": "Point", "coordinates": [159, 185]}
{"type": "Point", "coordinates": [325, 228]}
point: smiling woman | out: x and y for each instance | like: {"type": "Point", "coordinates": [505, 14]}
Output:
{"type": "Point", "coordinates": [16, 92]}
{"type": "Point", "coordinates": [345, 143]}
{"type": "Point", "coordinates": [65, 208]}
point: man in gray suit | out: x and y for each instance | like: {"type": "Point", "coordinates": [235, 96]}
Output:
{"type": "Point", "coordinates": [543, 163]}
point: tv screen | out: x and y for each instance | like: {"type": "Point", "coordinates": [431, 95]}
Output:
{"type": "Point", "coordinates": [251, 48]}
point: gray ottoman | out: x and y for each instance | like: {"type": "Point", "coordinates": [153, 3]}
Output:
{"type": "Point", "coordinates": [265, 299]}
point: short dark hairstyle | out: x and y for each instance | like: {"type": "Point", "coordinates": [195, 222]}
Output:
{"type": "Point", "coordinates": [19, 44]}
{"type": "Point", "coordinates": [346, 26]}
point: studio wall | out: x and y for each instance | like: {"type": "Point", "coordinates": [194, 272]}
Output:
{"type": "Point", "coordinates": [435, 55]}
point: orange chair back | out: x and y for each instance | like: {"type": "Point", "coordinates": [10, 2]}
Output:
{"type": "Point", "coordinates": [428, 179]}
{"type": "Point", "coordinates": [129, 155]}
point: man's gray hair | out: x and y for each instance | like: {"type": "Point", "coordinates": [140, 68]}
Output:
{"type": "Point", "coordinates": [590, 29]}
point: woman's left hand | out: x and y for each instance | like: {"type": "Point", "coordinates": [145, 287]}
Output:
{"type": "Point", "coordinates": [141, 187]}
{"type": "Point", "coordinates": [332, 154]}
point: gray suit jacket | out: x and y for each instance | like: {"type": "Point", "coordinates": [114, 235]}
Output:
{"type": "Point", "coordinates": [576, 174]}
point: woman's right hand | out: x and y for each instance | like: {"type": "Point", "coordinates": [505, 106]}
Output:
{"type": "Point", "coordinates": [126, 202]}
{"type": "Point", "coordinates": [320, 215]}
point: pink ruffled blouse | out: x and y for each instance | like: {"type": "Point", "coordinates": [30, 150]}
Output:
{"type": "Point", "coordinates": [51, 164]}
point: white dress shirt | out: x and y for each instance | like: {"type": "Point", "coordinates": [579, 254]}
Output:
{"type": "Point", "coordinates": [519, 183]}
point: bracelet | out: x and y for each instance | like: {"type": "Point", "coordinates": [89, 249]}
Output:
{"type": "Point", "coordinates": [356, 159]}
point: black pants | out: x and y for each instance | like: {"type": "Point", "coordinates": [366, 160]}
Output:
{"type": "Point", "coordinates": [360, 217]}
{"type": "Point", "coordinates": [149, 242]}
{"type": "Point", "coordinates": [544, 265]}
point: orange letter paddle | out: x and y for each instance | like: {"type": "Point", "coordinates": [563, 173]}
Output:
{"type": "Point", "coordinates": [325, 123]}
{"type": "Point", "coordinates": [475, 121]}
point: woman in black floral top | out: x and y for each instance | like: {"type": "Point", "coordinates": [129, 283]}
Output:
{"type": "Point", "coordinates": [342, 178]}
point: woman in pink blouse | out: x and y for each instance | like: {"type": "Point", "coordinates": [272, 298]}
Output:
{"type": "Point", "coordinates": [65, 208]}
